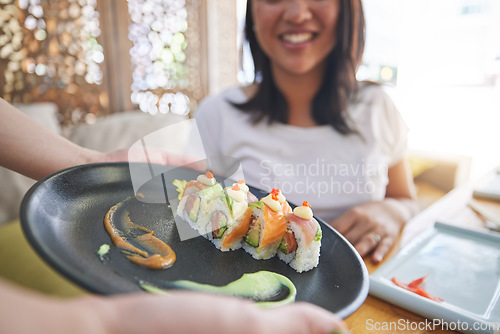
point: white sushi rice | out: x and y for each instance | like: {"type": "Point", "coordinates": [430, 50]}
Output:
{"type": "Point", "coordinates": [218, 243]}
{"type": "Point", "coordinates": [287, 258]}
{"type": "Point", "coordinates": [304, 258]}
{"type": "Point", "coordinates": [261, 254]}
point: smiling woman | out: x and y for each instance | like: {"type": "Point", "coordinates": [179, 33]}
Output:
{"type": "Point", "coordinates": [305, 108]}
{"type": "Point", "coordinates": [289, 36]}
{"type": "Point", "coordinates": [318, 42]}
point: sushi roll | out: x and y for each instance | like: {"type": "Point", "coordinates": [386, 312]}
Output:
{"type": "Point", "coordinates": [195, 197]}
{"type": "Point", "coordinates": [227, 234]}
{"type": "Point", "coordinates": [267, 225]}
{"type": "Point", "coordinates": [251, 198]}
{"type": "Point", "coordinates": [300, 245]}
{"type": "Point", "coordinates": [215, 216]}
{"type": "Point", "coordinates": [231, 218]}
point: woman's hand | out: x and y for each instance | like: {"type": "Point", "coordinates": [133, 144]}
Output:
{"type": "Point", "coordinates": [374, 227]}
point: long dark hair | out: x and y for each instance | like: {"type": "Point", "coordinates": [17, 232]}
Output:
{"type": "Point", "coordinates": [339, 82]}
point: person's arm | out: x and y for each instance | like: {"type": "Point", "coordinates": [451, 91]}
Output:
{"type": "Point", "coordinates": [32, 150]}
{"type": "Point", "coordinates": [374, 227]}
{"type": "Point", "coordinates": [178, 312]}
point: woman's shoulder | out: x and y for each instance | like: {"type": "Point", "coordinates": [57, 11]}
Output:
{"type": "Point", "coordinates": [370, 92]}
{"type": "Point", "coordinates": [221, 102]}
{"type": "Point", "coordinates": [373, 107]}
{"type": "Point", "coordinates": [222, 107]}
{"type": "Point", "coordinates": [373, 99]}
{"type": "Point", "coordinates": [235, 94]}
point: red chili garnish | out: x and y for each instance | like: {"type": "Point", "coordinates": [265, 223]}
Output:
{"type": "Point", "coordinates": [209, 175]}
{"type": "Point", "coordinates": [414, 286]}
{"type": "Point", "coordinates": [236, 187]}
{"type": "Point", "coordinates": [306, 203]}
{"type": "Point", "coordinates": [416, 283]}
{"type": "Point", "coordinates": [241, 182]}
{"type": "Point", "coordinates": [274, 194]}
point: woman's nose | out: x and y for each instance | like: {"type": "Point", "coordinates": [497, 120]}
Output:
{"type": "Point", "coordinates": [297, 11]}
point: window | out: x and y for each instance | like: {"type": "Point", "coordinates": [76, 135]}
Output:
{"type": "Point", "coordinates": [446, 72]}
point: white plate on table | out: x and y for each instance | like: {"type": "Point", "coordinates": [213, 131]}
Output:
{"type": "Point", "coordinates": [462, 268]}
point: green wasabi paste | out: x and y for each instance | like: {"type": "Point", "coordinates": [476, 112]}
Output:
{"type": "Point", "coordinates": [103, 250]}
{"type": "Point", "coordinates": [263, 287]}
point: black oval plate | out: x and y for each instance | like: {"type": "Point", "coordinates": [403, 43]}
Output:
{"type": "Point", "coordinates": [62, 217]}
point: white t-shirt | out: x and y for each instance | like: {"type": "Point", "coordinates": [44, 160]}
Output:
{"type": "Point", "coordinates": [333, 172]}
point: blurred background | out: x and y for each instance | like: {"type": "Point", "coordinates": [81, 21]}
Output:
{"type": "Point", "coordinates": [442, 59]}
{"type": "Point", "coordinates": [105, 73]}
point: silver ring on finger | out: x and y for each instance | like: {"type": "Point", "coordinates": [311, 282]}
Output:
{"type": "Point", "coordinates": [376, 237]}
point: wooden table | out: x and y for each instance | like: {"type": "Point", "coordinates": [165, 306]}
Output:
{"type": "Point", "coordinates": [453, 209]}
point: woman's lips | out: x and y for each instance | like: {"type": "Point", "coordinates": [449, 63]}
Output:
{"type": "Point", "coordinates": [297, 38]}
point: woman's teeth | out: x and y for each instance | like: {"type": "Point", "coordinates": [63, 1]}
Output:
{"type": "Point", "coordinates": [298, 38]}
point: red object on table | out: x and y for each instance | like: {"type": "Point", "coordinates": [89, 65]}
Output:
{"type": "Point", "coordinates": [415, 287]}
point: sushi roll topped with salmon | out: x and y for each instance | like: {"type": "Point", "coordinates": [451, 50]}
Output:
{"type": "Point", "coordinates": [267, 225]}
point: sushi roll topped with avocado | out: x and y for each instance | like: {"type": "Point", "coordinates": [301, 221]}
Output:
{"type": "Point", "coordinates": [195, 196]}
{"type": "Point", "coordinates": [238, 218]}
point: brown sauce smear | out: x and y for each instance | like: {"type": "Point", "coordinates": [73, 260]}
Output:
{"type": "Point", "coordinates": [163, 256]}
